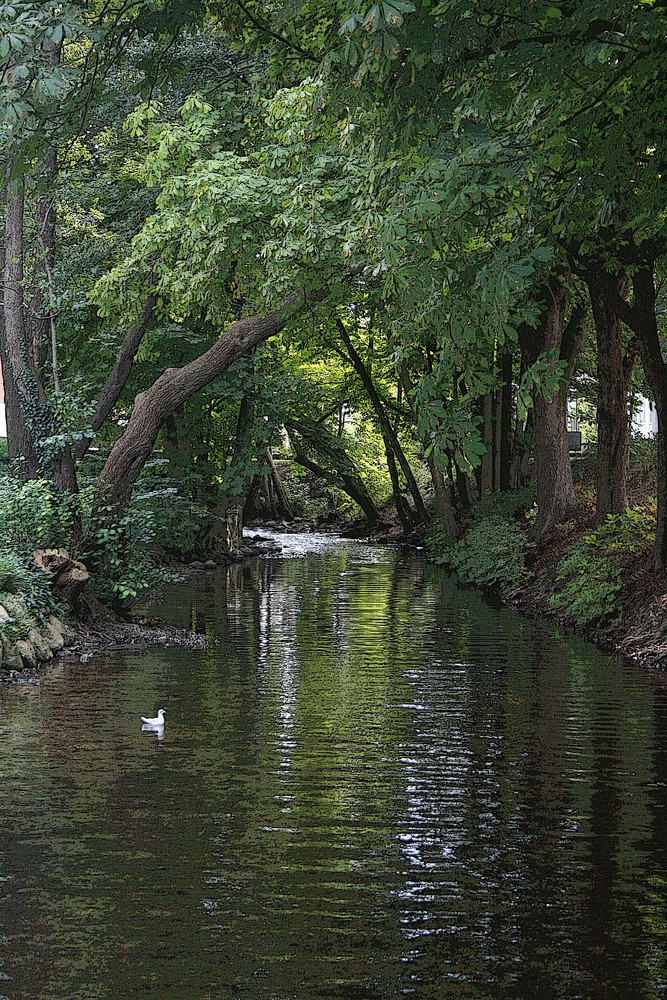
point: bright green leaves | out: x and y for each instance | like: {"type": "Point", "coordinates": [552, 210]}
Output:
{"type": "Point", "coordinates": [231, 228]}
{"type": "Point", "coordinates": [171, 146]}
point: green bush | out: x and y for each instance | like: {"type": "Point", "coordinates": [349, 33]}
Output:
{"type": "Point", "coordinates": [591, 572]}
{"type": "Point", "coordinates": [125, 556]}
{"type": "Point", "coordinates": [508, 505]}
{"type": "Point", "coordinates": [491, 555]}
{"type": "Point", "coordinates": [25, 591]}
{"type": "Point", "coordinates": [14, 575]}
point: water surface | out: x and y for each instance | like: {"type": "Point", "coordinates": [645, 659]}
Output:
{"type": "Point", "coordinates": [372, 785]}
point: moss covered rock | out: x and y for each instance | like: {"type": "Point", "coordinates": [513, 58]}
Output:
{"type": "Point", "coordinates": [43, 651]}
{"type": "Point", "coordinates": [26, 651]}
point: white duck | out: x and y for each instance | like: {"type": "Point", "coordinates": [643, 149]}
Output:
{"type": "Point", "coordinates": [157, 722]}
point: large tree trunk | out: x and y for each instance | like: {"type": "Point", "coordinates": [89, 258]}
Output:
{"type": "Point", "coordinates": [22, 397]}
{"type": "Point", "coordinates": [41, 304]}
{"type": "Point", "coordinates": [29, 416]}
{"type": "Point", "coordinates": [153, 407]}
{"type": "Point", "coordinates": [614, 372]}
{"type": "Point", "coordinates": [555, 486]}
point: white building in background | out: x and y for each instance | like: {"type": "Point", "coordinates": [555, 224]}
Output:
{"type": "Point", "coordinates": [645, 418]}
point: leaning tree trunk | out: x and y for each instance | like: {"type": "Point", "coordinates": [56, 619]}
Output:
{"type": "Point", "coordinates": [347, 482]}
{"type": "Point", "coordinates": [389, 436]}
{"type": "Point", "coordinates": [614, 371]}
{"type": "Point", "coordinates": [153, 407]}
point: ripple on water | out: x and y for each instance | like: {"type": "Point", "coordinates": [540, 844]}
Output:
{"type": "Point", "coordinates": [373, 786]}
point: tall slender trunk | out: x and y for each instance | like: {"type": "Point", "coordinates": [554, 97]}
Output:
{"type": "Point", "coordinates": [486, 473]}
{"type": "Point", "coordinates": [392, 444]}
{"type": "Point", "coordinates": [504, 422]}
{"type": "Point", "coordinates": [279, 488]}
{"type": "Point", "coordinates": [29, 415]}
{"type": "Point", "coordinates": [443, 499]}
{"type": "Point", "coordinates": [42, 319]}
{"type": "Point", "coordinates": [23, 404]}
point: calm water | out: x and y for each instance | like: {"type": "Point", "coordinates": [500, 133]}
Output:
{"type": "Point", "coordinates": [372, 786]}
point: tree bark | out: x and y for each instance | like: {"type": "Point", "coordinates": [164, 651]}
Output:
{"type": "Point", "coordinates": [555, 486]}
{"type": "Point", "coordinates": [614, 372]}
{"type": "Point", "coordinates": [41, 307]}
{"type": "Point", "coordinates": [24, 396]}
{"type": "Point", "coordinates": [29, 415]}
{"type": "Point", "coordinates": [154, 406]}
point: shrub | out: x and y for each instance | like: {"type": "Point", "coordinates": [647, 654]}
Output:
{"type": "Point", "coordinates": [14, 575]}
{"type": "Point", "coordinates": [592, 570]}
{"type": "Point", "coordinates": [125, 555]}
{"type": "Point", "coordinates": [491, 555]}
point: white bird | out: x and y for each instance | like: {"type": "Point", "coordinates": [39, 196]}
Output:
{"type": "Point", "coordinates": [157, 722]}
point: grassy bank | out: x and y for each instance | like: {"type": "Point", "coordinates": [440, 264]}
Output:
{"type": "Point", "coordinates": [587, 578]}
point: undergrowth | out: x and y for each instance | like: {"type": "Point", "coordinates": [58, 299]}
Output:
{"type": "Point", "coordinates": [492, 553]}
{"type": "Point", "coordinates": [591, 573]}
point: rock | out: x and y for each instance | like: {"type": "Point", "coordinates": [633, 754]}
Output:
{"type": "Point", "coordinates": [26, 651]}
{"type": "Point", "coordinates": [53, 637]}
{"type": "Point", "coordinates": [67, 634]}
{"type": "Point", "coordinates": [43, 651]}
{"type": "Point", "coordinates": [4, 615]}
{"type": "Point", "coordinates": [210, 564]}
{"type": "Point", "coordinates": [10, 658]}
{"type": "Point", "coordinates": [196, 564]}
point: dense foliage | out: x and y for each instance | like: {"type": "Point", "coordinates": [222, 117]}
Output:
{"type": "Point", "coordinates": [371, 243]}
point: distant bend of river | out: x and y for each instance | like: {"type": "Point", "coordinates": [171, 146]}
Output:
{"type": "Point", "coordinates": [372, 785]}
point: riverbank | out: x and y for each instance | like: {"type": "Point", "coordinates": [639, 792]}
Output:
{"type": "Point", "coordinates": [637, 623]}
{"type": "Point", "coordinates": [31, 636]}
{"type": "Point", "coordinates": [636, 626]}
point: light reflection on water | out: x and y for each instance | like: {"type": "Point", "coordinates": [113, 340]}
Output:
{"type": "Point", "coordinates": [372, 786]}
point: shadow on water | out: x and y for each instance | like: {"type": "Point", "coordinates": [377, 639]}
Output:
{"type": "Point", "coordinates": [372, 785]}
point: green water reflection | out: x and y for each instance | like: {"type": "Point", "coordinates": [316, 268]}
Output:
{"type": "Point", "coordinates": [372, 785]}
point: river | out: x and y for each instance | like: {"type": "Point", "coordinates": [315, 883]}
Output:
{"type": "Point", "coordinates": [372, 785]}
